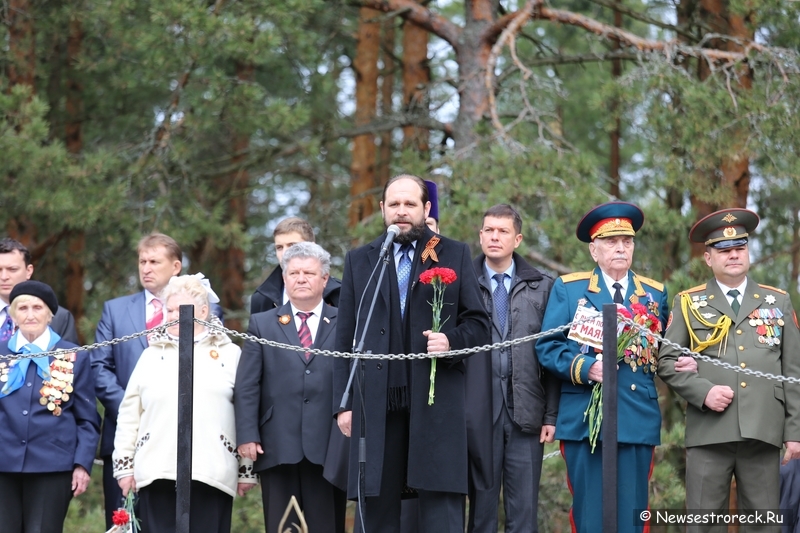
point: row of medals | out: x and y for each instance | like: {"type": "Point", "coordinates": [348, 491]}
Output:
{"type": "Point", "coordinates": [768, 324]}
{"type": "Point", "coordinates": [55, 391]}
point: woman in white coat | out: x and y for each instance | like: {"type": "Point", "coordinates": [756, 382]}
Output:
{"type": "Point", "coordinates": [145, 444]}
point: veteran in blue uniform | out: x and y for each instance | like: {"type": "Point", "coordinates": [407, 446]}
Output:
{"type": "Point", "coordinates": [609, 229]}
{"type": "Point", "coordinates": [49, 427]}
{"type": "Point", "coordinates": [735, 422]}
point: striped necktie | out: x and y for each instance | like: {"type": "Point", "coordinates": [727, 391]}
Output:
{"type": "Point", "coordinates": [305, 332]}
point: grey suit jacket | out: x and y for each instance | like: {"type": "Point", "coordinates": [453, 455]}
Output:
{"type": "Point", "coordinates": [283, 400]}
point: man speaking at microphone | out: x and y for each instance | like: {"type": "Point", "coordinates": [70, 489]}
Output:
{"type": "Point", "coordinates": [409, 443]}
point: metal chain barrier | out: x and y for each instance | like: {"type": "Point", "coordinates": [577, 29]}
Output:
{"type": "Point", "coordinates": [466, 351]}
{"type": "Point", "coordinates": [57, 353]}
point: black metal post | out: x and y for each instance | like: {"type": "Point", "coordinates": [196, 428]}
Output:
{"type": "Point", "coordinates": [609, 428]}
{"type": "Point", "coordinates": [183, 484]}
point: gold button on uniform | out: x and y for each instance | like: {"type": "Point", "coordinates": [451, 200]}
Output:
{"type": "Point", "coordinates": [744, 384]}
{"type": "Point", "coordinates": [738, 332]}
{"type": "Point", "coordinates": [741, 348]}
{"type": "Point", "coordinates": [633, 386]}
{"type": "Point", "coordinates": [742, 365]}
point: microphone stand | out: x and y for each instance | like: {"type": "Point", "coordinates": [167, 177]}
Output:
{"type": "Point", "coordinates": [359, 349]}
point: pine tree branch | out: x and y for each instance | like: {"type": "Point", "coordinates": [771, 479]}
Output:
{"type": "Point", "coordinates": [387, 123]}
{"type": "Point", "coordinates": [419, 15]}
{"type": "Point", "coordinates": [555, 266]}
{"type": "Point", "coordinates": [536, 10]}
{"type": "Point", "coordinates": [632, 13]}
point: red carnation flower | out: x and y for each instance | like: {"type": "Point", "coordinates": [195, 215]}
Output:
{"type": "Point", "coordinates": [120, 517]}
{"type": "Point", "coordinates": [639, 309]}
{"type": "Point", "coordinates": [445, 275]}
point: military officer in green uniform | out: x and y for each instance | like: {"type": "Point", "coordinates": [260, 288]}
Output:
{"type": "Point", "coordinates": [735, 422]}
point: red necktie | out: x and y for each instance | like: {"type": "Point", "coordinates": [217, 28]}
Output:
{"type": "Point", "coordinates": [158, 314]}
{"type": "Point", "coordinates": [304, 332]}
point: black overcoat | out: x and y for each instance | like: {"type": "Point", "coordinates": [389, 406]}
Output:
{"type": "Point", "coordinates": [437, 458]}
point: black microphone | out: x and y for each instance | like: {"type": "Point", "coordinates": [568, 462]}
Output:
{"type": "Point", "coordinates": [391, 232]}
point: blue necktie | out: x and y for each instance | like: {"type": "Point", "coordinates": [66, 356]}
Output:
{"type": "Point", "coordinates": [403, 274]}
{"type": "Point", "coordinates": [7, 329]}
{"type": "Point", "coordinates": [500, 299]}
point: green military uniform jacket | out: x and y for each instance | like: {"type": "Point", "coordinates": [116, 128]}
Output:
{"type": "Point", "coordinates": [762, 409]}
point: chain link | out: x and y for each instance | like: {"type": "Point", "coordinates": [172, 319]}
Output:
{"type": "Point", "coordinates": [63, 351]}
{"type": "Point", "coordinates": [466, 351]}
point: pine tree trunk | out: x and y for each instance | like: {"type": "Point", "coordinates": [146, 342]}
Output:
{"type": "Point", "coordinates": [76, 243]}
{"type": "Point", "coordinates": [734, 171]}
{"type": "Point", "coordinates": [473, 55]}
{"type": "Point", "coordinates": [362, 167]}
{"type": "Point", "coordinates": [21, 70]}
{"type": "Point", "coordinates": [416, 79]}
{"type": "Point", "coordinates": [231, 258]}
{"type": "Point", "coordinates": [616, 134]}
{"type": "Point", "coordinates": [387, 92]}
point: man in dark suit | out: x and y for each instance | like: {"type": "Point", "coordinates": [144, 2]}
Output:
{"type": "Point", "coordinates": [16, 267]}
{"type": "Point", "coordinates": [522, 397]}
{"type": "Point", "coordinates": [735, 423]}
{"type": "Point", "coordinates": [271, 294]}
{"type": "Point", "coordinates": [408, 440]}
{"type": "Point", "coordinates": [283, 398]}
{"type": "Point", "coordinates": [159, 260]}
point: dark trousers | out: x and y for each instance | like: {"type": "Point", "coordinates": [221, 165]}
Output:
{"type": "Point", "coordinates": [517, 467]}
{"type": "Point", "coordinates": [210, 508]}
{"type": "Point", "coordinates": [112, 494]}
{"type": "Point", "coordinates": [585, 481]}
{"type": "Point", "coordinates": [34, 503]}
{"type": "Point", "coordinates": [439, 512]}
{"type": "Point", "coordinates": [709, 469]}
{"type": "Point", "coordinates": [322, 504]}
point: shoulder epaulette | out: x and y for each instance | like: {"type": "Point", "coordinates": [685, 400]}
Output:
{"type": "Point", "coordinates": [695, 289]}
{"type": "Point", "coordinates": [576, 276]}
{"type": "Point", "coordinates": [770, 287]}
{"type": "Point", "coordinates": [657, 285]}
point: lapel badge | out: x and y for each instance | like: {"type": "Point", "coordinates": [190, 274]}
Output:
{"type": "Point", "coordinates": [326, 320]}
{"type": "Point", "coordinates": [708, 315]}
{"type": "Point", "coordinates": [770, 299]}
{"type": "Point", "coordinates": [285, 319]}
{"type": "Point", "coordinates": [756, 296]}
{"type": "Point", "coordinates": [581, 302]}
{"type": "Point", "coordinates": [634, 299]}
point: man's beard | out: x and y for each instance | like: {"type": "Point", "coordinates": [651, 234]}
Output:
{"type": "Point", "coordinates": [414, 233]}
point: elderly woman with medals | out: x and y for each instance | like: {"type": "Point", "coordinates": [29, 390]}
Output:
{"type": "Point", "coordinates": [49, 425]}
{"type": "Point", "coordinates": [146, 441]}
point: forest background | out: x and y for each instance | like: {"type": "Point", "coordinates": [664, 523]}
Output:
{"type": "Point", "coordinates": [212, 120]}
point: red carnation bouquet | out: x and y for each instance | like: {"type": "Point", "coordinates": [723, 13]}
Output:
{"type": "Point", "coordinates": [439, 278]}
{"type": "Point", "coordinates": [124, 518]}
{"type": "Point", "coordinates": [636, 348]}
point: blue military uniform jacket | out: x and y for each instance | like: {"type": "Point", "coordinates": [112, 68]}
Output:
{"type": "Point", "coordinates": [33, 440]}
{"type": "Point", "coordinates": [639, 416]}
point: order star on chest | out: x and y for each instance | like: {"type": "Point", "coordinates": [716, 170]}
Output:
{"type": "Point", "coordinates": [770, 299]}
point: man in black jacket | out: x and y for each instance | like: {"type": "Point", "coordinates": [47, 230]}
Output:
{"type": "Point", "coordinates": [524, 398]}
{"type": "Point", "coordinates": [16, 267]}
{"type": "Point", "coordinates": [271, 293]}
{"type": "Point", "coordinates": [409, 440]}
